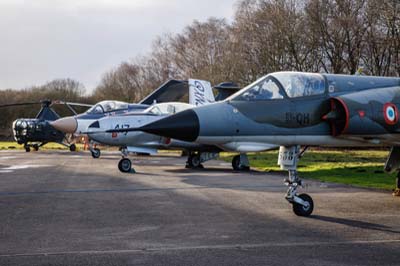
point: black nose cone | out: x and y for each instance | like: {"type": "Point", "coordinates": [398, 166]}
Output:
{"type": "Point", "coordinates": [183, 126]}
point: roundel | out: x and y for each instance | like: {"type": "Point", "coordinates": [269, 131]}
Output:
{"type": "Point", "coordinates": [390, 113]}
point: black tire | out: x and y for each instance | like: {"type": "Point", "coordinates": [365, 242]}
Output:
{"type": "Point", "coordinates": [301, 210]}
{"type": "Point", "coordinates": [237, 166]}
{"type": "Point", "coordinates": [36, 147]}
{"type": "Point", "coordinates": [236, 162]}
{"type": "Point", "coordinates": [96, 153]}
{"type": "Point", "coordinates": [72, 147]}
{"type": "Point", "coordinates": [27, 149]}
{"type": "Point", "coordinates": [194, 161]}
{"type": "Point", "coordinates": [125, 165]}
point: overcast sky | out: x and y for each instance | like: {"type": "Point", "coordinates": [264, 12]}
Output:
{"type": "Point", "coordinates": [41, 40]}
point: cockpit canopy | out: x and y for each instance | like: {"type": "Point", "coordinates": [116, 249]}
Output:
{"type": "Point", "coordinates": [167, 108]}
{"type": "Point", "coordinates": [107, 106]}
{"type": "Point", "coordinates": [280, 85]}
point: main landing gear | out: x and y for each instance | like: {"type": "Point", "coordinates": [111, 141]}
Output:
{"type": "Point", "coordinates": [241, 162]}
{"type": "Point", "coordinates": [35, 146]}
{"type": "Point", "coordinates": [303, 204]}
{"type": "Point", "coordinates": [125, 165]}
{"type": "Point", "coordinates": [27, 148]}
{"type": "Point", "coordinates": [195, 159]}
{"type": "Point", "coordinates": [67, 143]}
{"type": "Point", "coordinates": [392, 165]}
{"type": "Point", "coordinates": [72, 147]}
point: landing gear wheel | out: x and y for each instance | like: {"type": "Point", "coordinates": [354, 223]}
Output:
{"type": "Point", "coordinates": [301, 210]}
{"type": "Point", "coordinates": [27, 149]}
{"type": "Point", "coordinates": [36, 147]}
{"type": "Point", "coordinates": [72, 147]}
{"type": "Point", "coordinates": [237, 166]}
{"type": "Point", "coordinates": [194, 161]}
{"type": "Point", "coordinates": [125, 165]}
{"type": "Point", "coordinates": [96, 153]}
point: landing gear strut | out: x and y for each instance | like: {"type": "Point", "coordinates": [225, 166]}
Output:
{"type": "Point", "coordinates": [125, 165]}
{"type": "Point", "coordinates": [392, 165]}
{"type": "Point", "coordinates": [303, 204]}
{"type": "Point", "coordinates": [396, 192]}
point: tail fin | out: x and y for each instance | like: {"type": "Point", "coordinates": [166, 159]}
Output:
{"type": "Point", "coordinates": [200, 92]}
{"type": "Point", "coordinates": [171, 91]}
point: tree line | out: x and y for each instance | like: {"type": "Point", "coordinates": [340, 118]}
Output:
{"type": "Point", "coordinates": [330, 36]}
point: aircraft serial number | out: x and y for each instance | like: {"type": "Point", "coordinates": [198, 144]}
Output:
{"type": "Point", "coordinates": [122, 126]}
{"type": "Point", "coordinates": [300, 118]}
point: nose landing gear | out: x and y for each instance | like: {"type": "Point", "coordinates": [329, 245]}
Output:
{"type": "Point", "coordinates": [95, 152]}
{"type": "Point", "coordinates": [302, 204]}
{"type": "Point", "coordinates": [125, 164]}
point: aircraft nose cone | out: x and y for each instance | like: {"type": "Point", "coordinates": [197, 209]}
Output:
{"type": "Point", "coordinates": [66, 124]}
{"type": "Point", "coordinates": [182, 126]}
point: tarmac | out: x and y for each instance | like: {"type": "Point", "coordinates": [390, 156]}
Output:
{"type": "Point", "coordinates": [62, 208]}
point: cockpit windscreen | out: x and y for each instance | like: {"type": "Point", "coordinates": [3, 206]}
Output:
{"type": "Point", "coordinates": [107, 106]}
{"type": "Point", "coordinates": [297, 84]}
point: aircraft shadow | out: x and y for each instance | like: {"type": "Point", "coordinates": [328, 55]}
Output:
{"type": "Point", "coordinates": [355, 223]}
{"type": "Point", "coordinates": [214, 170]}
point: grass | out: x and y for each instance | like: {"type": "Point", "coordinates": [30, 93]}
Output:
{"type": "Point", "coordinates": [362, 168]}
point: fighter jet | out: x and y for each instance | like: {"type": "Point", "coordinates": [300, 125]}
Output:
{"type": "Point", "coordinates": [172, 90]}
{"type": "Point", "coordinates": [294, 109]}
{"type": "Point", "coordinates": [200, 93]}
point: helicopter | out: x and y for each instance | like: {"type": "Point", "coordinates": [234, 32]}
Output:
{"type": "Point", "coordinates": [37, 132]}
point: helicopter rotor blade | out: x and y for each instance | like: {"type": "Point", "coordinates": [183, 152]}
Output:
{"type": "Point", "coordinates": [70, 105]}
{"type": "Point", "coordinates": [18, 104]}
{"type": "Point", "coordinates": [73, 104]}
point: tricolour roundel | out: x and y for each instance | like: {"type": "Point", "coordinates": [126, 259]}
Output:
{"type": "Point", "coordinates": [390, 113]}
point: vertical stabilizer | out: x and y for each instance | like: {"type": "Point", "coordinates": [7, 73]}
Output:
{"type": "Point", "coordinates": [200, 92]}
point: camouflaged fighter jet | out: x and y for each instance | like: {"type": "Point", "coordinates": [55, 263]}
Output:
{"type": "Point", "coordinates": [200, 93]}
{"type": "Point", "coordinates": [289, 109]}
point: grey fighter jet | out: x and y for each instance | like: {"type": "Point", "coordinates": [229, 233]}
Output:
{"type": "Point", "coordinates": [292, 109]}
